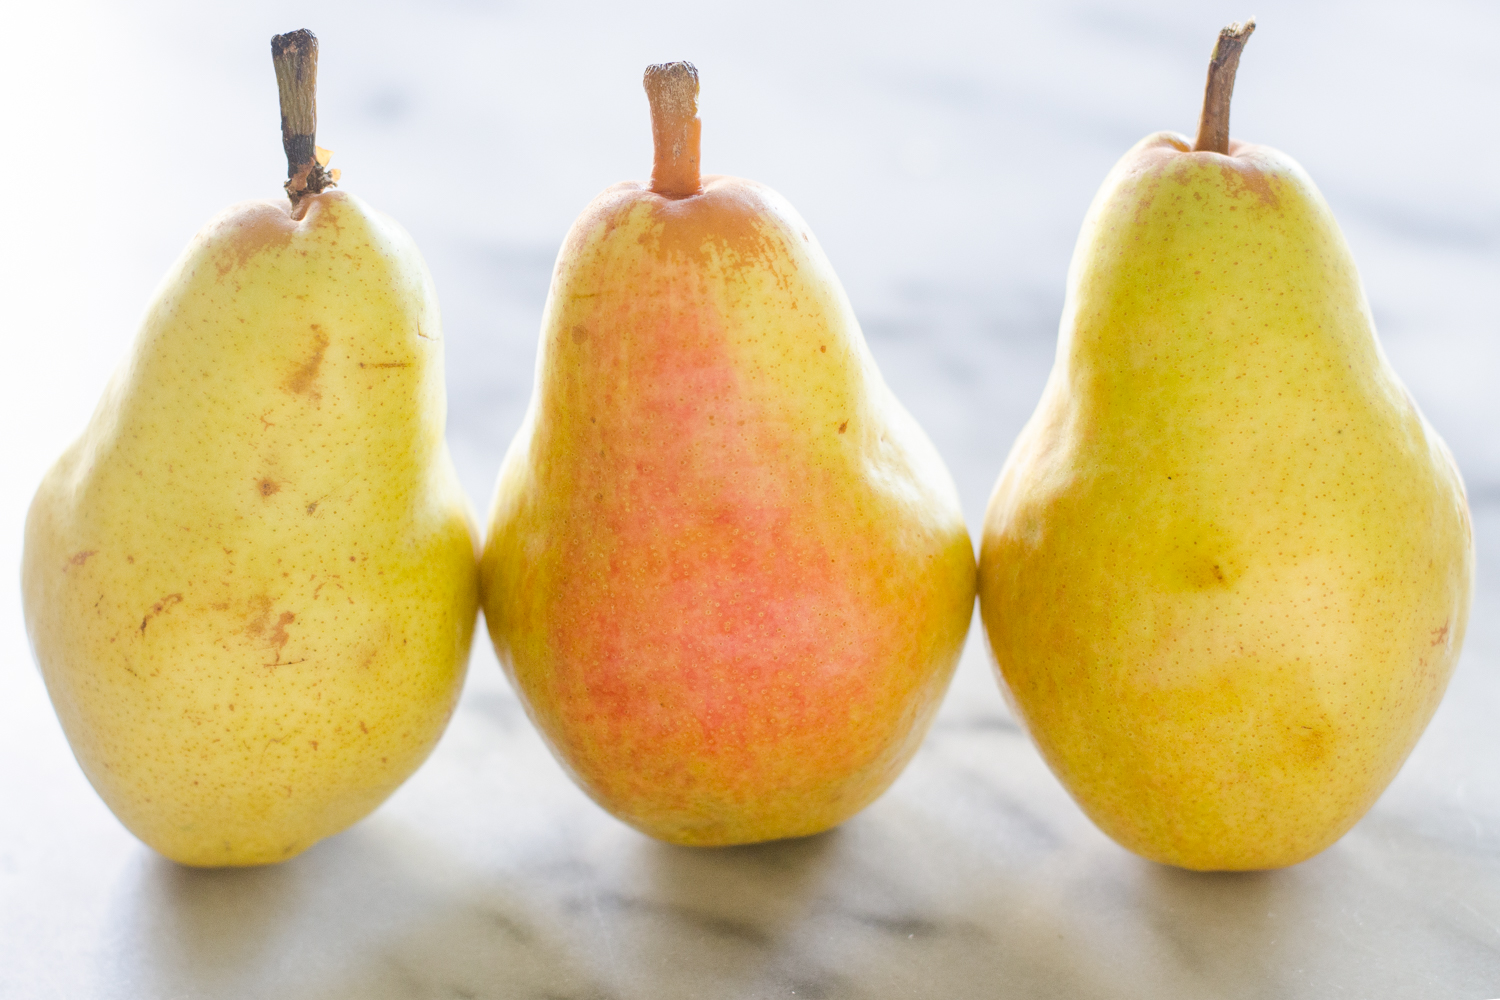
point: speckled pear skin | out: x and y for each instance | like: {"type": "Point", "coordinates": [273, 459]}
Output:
{"type": "Point", "coordinates": [251, 585]}
{"type": "Point", "coordinates": [1227, 568]}
{"type": "Point", "coordinates": [725, 570]}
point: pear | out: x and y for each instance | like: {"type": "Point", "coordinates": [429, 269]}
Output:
{"type": "Point", "coordinates": [252, 584]}
{"type": "Point", "coordinates": [725, 570]}
{"type": "Point", "coordinates": [1226, 570]}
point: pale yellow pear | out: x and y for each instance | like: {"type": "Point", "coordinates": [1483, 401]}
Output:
{"type": "Point", "coordinates": [251, 584]}
{"type": "Point", "coordinates": [1227, 568]}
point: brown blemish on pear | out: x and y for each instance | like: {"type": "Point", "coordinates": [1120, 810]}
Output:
{"type": "Point", "coordinates": [1166, 156]}
{"type": "Point", "coordinates": [260, 615]}
{"type": "Point", "coordinates": [165, 604]}
{"type": "Point", "coordinates": [1243, 176]}
{"type": "Point", "coordinates": [256, 228]}
{"type": "Point", "coordinates": [279, 637]}
{"type": "Point", "coordinates": [1310, 745]}
{"type": "Point", "coordinates": [258, 624]}
{"type": "Point", "coordinates": [301, 382]}
{"type": "Point", "coordinates": [724, 221]}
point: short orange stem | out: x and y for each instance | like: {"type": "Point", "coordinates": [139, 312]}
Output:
{"type": "Point", "coordinates": [672, 89]}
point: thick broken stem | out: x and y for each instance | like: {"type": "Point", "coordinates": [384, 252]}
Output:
{"type": "Point", "coordinates": [295, 55]}
{"type": "Point", "coordinates": [672, 89]}
{"type": "Point", "coordinates": [1213, 124]}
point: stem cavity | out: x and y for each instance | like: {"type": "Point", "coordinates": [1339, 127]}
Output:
{"type": "Point", "coordinates": [672, 89]}
{"type": "Point", "coordinates": [1213, 124]}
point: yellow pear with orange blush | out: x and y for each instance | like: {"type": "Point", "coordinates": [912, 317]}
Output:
{"type": "Point", "coordinates": [1227, 568]}
{"type": "Point", "coordinates": [725, 570]}
{"type": "Point", "coordinates": [251, 585]}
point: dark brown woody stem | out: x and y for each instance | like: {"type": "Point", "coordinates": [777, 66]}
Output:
{"type": "Point", "coordinates": [1213, 124]}
{"type": "Point", "coordinates": [295, 55]}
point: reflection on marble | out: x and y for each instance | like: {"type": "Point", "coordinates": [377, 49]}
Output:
{"type": "Point", "coordinates": [957, 150]}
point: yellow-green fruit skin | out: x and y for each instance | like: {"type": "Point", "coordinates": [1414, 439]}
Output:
{"type": "Point", "coordinates": [1226, 571]}
{"type": "Point", "coordinates": [251, 585]}
{"type": "Point", "coordinates": [725, 570]}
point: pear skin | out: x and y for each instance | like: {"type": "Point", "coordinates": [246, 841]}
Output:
{"type": "Point", "coordinates": [1227, 568]}
{"type": "Point", "coordinates": [725, 570]}
{"type": "Point", "coordinates": [251, 585]}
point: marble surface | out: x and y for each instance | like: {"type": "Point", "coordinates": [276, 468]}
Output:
{"type": "Point", "coordinates": [945, 157]}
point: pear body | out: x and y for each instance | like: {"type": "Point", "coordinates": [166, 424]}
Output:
{"type": "Point", "coordinates": [725, 570]}
{"type": "Point", "coordinates": [251, 585]}
{"type": "Point", "coordinates": [1226, 571]}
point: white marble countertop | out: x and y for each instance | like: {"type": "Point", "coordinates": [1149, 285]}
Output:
{"type": "Point", "coordinates": [945, 161]}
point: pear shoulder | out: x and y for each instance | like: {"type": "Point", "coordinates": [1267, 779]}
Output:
{"type": "Point", "coordinates": [736, 220]}
{"type": "Point", "coordinates": [330, 222]}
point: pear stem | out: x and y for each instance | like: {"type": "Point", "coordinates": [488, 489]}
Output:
{"type": "Point", "coordinates": [295, 55]}
{"type": "Point", "coordinates": [1213, 124]}
{"type": "Point", "coordinates": [672, 89]}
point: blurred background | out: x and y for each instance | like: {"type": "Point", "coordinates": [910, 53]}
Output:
{"type": "Point", "coordinates": [945, 154]}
